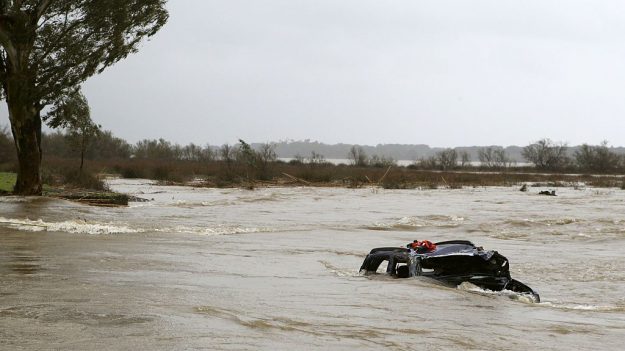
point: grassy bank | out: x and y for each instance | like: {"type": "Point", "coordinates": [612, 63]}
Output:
{"type": "Point", "coordinates": [101, 196]}
{"type": "Point", "coordinates": [7, 181]}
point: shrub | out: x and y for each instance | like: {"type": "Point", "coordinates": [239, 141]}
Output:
{"type": "Point", "coordinates": [82, 180]}
{"type": "Point", "coordinates": [547, 155]}
{"type": "Point", "coordinates": [131, 173]}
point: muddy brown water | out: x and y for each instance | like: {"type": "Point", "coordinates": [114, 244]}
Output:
{"type": "Point", "coordinates": [277, 269]}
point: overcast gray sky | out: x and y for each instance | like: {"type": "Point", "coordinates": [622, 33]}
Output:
{"type": "Point", "coordinates": [440, 72]}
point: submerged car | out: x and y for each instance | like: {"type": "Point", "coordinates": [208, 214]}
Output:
{"type": "Point", "coordinates": [451, 262]}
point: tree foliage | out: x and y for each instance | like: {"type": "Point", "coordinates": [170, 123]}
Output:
{"type": "Point", "coordinates": [493, 157]}
{"type": "Point", "coordinates": [465, 159]}
{"type": "Point", "coordinates": [105, 147]}
{"type": "Point", "coordinates": [316, 158]}
{"type": "Point", "coordinates": [546, 154]}
{"type": "Point", "coordinates": [447, 159]}
{"type": "Point", "coordinates": [64, 42]}
{"type": "Point", "coordinates": [265, 156]}
{"type": "Point", "coordinates": [381, 161]}
{"type": "Point", "coordinates": [162, 149]}
{"type": "Point", "coordinates": [357, 156]}
{"type": "Point", "coordinates": [73, 114]}
{"type": "Point", "coordinates": [597, 158]}
{"type": "Point", "coordinates": [49, 47]}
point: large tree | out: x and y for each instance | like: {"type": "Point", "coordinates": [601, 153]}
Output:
{"type": "Point", "coordinates": [49, 47]}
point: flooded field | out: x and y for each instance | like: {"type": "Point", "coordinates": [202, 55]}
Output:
{"type": "Point", "coordinates": [277, 269]}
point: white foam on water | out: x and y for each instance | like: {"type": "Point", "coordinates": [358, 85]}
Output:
{"type": "Point", "coordinates": [84, 227]}
{"type": "Point", "coordinates": [413, 222]}
{"type": "Point", "coordinates": [339, 272]}
{"type": "Point", "coordinates": [582, 307]}
{"type": "Point", "coordinates": [195, 204]}
{"type": "Point", "coordinates": [76, 227]}
{"type": "Point", "coordinates": [525, 298]}
{"type": "Point", "coordinates": [432, 220]}
{"type": "Point", "coordinates": [17, 199]}
{"type": "Point", "coordinates": [466, 286]}
{"type": "Point", "coordinates": [216, 230]}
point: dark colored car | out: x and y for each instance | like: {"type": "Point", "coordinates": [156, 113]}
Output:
{"type": "Point", "coordinates": [451, 262]}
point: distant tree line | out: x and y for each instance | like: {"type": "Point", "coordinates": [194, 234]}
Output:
{"type": "Point", "coordinates": [287, 149]}
{"type": "Point", "coordinates": [544, 154]}
{"type": "Point", "coordinates": [106, 146]}
{"type": "Point", "coordinates": [548, 155]}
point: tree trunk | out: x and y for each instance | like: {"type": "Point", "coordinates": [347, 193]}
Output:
{"type": "Point", "coordinates": [24, 110]}
{"type": "Point", "coordinates": [26, 127]}
{"type": "Point", "coordinates": [83, 147]}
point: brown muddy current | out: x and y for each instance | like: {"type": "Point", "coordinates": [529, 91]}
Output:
{"type": "Point", "coordinates": [277, 269]}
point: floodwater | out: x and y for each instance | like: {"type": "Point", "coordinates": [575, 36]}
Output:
{"type": "Point", "coordinates": [277, 269]}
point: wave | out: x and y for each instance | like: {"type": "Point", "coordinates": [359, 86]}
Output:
{"type": "Point", "coordinates": [192, 204]}
{"type": "Point", "coordinates": [526, 222]}
{"type": "Point", "coordinates": [415, 222]}
{"type": "Point", "coordinates": [75, 227]}
{"type": "Point", "coordinates": [339, 272]}
{"type": "Point", "coordinates": [226, 202]}
{"type": "Point", "coordinates": [17, 199]}
{"type": "Point", "coordinates": [582, 307]}
{"type": "Point", "coordinates": [550, 304]}
{"type": "Point", "coordinates": [217, 230]}
{"type": "Point", "coordinates": [84, 227]}
{"type": "Point", "coordinates": [505, 235]}
{"type": "Point", "coordinates": [521, 297]}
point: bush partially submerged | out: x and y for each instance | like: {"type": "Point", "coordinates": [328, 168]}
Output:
{"type": "Point", "coordinates": [84, 180]}
{"type": "Point", "coordinates": [72, 177]}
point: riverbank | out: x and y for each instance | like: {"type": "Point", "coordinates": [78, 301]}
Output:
{"type": "Point", "coordinates": [87, 196]}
